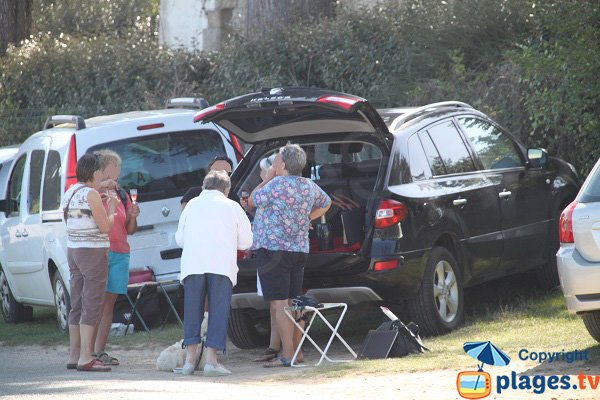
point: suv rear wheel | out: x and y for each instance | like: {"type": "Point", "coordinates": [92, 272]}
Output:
{"type": "Point", "coordinates": [62, 302]}
{"type": "Point", "coordinates": [249, 329]}
{"type": "Point", "coordinates": [12, 311]}
{"type": "Point", "coordinates": [438, 306]}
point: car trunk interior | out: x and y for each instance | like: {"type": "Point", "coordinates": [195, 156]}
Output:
{"type": "Point", "coordinates": [347, 172]}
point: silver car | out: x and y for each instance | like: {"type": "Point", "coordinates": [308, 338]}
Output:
{"type": "Point", "coordinates": [578, 258]}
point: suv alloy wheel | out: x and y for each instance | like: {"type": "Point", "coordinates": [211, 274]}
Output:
{"type": "Point", "coordinates": [438, 306]}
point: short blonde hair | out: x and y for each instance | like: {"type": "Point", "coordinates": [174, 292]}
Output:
{"type": "Point", "coordinates": [109, 156]}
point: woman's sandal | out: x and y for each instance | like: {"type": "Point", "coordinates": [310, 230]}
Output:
{"type": "Point", "coordinates": [93, 366]}
{"type": "Point", "coordinates": [268, 355]}
{"type": "Point", "coordinates": [277, 362]}
{"type": "Point", "coordinates": [106, 359]}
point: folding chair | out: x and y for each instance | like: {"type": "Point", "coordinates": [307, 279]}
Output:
{"type": "Point", "coordinates": [316, 311]}
{"type": "Point", "coordinates": [140, 280]}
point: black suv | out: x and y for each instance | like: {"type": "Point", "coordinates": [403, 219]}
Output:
{"type": "Point", "coordinates": [427, 201]}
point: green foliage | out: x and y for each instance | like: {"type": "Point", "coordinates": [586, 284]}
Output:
{"type": "Point", "coordinates": [561, 64]}
{"type": "Point", "coordinates": [121, 70]}
{"type": "Point", "coordinates": [530, 66]}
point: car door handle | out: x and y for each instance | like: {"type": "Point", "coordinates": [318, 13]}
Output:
{"type": "Point", "coordinates": [24, 234]}
{"type": "Point", "coordinates": [459, 202]}
{"type": "Point", "coordinates": [504, 194]}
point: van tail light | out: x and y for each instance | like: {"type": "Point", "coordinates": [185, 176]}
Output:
{"type": "Point", "coordinates": [239, 155]}
{"type": "Point", "coordinates": [385, 265]}
{"type": "Point", "coordinates": [71, 178]}
{"type": "Point", "coordinates": [150, 126]}
{"type": "Point", "coordinates": [565, 224]}
{"type": "Point", "coordinates": [208, 112]}
{"type": "Point", "coordinates": [390, 213]}
{"type": "Point", "coordinates": [345, 102]}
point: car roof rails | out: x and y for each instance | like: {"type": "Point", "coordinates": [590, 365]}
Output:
{"type": "Point", "coordinates": [422, 110]}
{"type": "Point", "coordinates": [54, 120]}
{"type": "Point", "coordinates": [194, 103]}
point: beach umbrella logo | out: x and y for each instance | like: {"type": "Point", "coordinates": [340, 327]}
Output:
{"type": "Point", "coordinates": [478, 384]}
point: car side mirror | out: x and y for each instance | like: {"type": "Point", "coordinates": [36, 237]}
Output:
{"type": "Point", "coordinates": [537, 158]}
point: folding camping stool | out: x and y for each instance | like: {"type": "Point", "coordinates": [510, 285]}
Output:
{"type": "Point", "coordinates": [316, 311]}
{"type": "Point", "coordinates": [148, 281]}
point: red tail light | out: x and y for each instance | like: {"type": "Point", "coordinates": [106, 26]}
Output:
{"type": "Point", "coordinates": [384, 265]}
{"type": "Point", "coordinates": [208, 111]}
{"type": "Point", "coordinates": [565, 224]}
{"type": "Point", "coordinates": [150, 126]}
{"type": "Point", "coordinates": [243, 255]}
{"type": "Point", "coordinates": [238, 149]}
{"type": "Point", "coordinates": [71, 164]}
{"type": "Point", "coordinates": [390, 213]}
{"type": "Point", "coordinates": [345, 102]}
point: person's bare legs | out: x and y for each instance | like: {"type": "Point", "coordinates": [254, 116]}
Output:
{"type": "Point", "coordinates": [105, 322]}
{"type": "Point", "coordinates": [74, 344]}
{"type": "Point", "coordinates": [297, 333]}
{"type": "Point", "coordinates": [285, 328]}
{"type": "Point", "coordinates": [211, 356]}
{"type": "Point", "coordinates": [86, 333]}
{"type": "Point", "coordinates": [190, 353]}
{"type": "Point", "coordinates": [275, 341]}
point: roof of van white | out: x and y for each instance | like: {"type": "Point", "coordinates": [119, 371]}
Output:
{"type": "Point", "coordinates": [116, 118]}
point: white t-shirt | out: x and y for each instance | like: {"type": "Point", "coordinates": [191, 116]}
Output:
{"type": "Point", "coordinates": [82, 230]}
{"type": "Point", "coordinates": [211, 230]}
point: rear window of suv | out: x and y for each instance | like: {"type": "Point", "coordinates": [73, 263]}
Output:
{"type": "Point", "coordinates": [165, 165]}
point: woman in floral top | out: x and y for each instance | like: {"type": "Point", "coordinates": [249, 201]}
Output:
{"type": "Point", "coordinates": [285, 204]}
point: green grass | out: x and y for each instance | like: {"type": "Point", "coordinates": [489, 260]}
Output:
{"type": "Point", "coordinates": [43, 331]}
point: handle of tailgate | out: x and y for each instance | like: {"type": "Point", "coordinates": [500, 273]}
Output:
{"type": "Point", "coordinates": [459, 202]}
{"type": "Point", "coordinates": [504, 194]}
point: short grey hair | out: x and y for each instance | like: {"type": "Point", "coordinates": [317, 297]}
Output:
{"type": "Point", "coordinates": [107, 157]}
{"type": "Point", "coordinates": [216, 180]}
{"type": "Point", "coordinates": [294, 158]}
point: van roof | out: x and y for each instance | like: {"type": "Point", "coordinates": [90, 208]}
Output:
{"type": "Point", "coordinates": [103, 120]}
{"type": "Point", "coordinates": [66, 131]}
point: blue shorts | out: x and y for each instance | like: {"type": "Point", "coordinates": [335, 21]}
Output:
{"type": "Point", "coordinates": [118, 272]}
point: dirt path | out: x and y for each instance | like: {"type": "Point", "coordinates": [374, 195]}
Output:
{"type": "Point", "coordinates": [39, 373]}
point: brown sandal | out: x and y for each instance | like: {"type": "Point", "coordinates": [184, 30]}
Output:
{"type": "Point", "coordinates": [93, 366]}
{"type": "Point", "coordinates": [268, 355]}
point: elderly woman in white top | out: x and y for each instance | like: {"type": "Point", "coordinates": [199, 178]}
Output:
{"type": "Point", "coordinates": [211, 230]}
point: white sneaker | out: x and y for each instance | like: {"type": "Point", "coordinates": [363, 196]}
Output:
{"type": "Point", "coordinates": [187, 369]}
{"type": "Point", "coordinates": [218, 370]}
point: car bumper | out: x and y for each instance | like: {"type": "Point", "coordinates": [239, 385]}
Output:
{"type": "Point", "coordinates": [579, 279]}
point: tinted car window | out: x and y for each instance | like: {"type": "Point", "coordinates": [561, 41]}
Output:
{"type": "Point", "coordinates": [165, 165]}
{"type": "Point", "coordinates": [494, 148]}
{"type": "Point", "coordinates": [452, 149]}
{"type": "Point", "coordinates": [419, 167]}
{"type": "Point", "coordinates": [342, 160]}
{"type": "Point", "coordinates": [36, 165]}
{"type": "Point", "coordinates": [433, 157]}
{"type": "Point", "coordinates": [15, 186]}
{"type": "Point", "coordinates": [52, 175]}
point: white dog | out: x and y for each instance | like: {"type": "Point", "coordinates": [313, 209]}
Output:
{"type": "Point", "coordinates": [174, 356]}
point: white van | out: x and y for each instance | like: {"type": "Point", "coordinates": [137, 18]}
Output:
{"type": "Point", "coordinates": [163, 152]}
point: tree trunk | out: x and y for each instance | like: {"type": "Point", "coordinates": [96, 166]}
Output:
{"type": "Point", "coordinates": [15, 22]}
{"type": "Point", "coordinates": [268, 15]}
